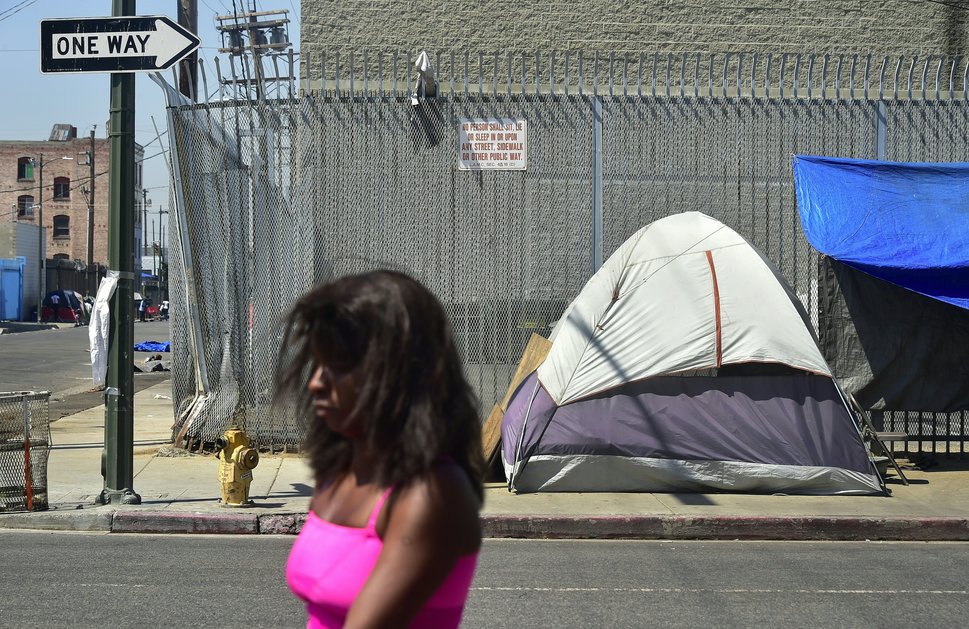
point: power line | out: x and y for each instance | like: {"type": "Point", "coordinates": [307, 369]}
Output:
{"type": "Point", "coordinates": [84, 180]}
{"type": "Point", "coordinates": [20, 4]}
{"type": "Point", "coordinates": [23, 5]}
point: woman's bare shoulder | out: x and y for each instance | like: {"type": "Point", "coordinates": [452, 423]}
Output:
{"type": "Point", "coordinates": [440, 503]}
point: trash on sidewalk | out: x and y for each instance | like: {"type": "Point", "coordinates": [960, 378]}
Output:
{"type": "Point", "coordinates": [153, 365]}
{"type": "Point", "coordinates": [159, 396]}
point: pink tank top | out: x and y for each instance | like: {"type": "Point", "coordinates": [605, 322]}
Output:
{"type": "Point", "coordinates": [329, 565]}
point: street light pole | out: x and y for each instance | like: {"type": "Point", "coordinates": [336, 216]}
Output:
{"type": "Point", "coordinates": [119, 428]}
{"type": "Point", "coordinates": [161, 252]}
{"type": "Point", "coordinates": [144, 221]}
{"type": "Point", "coordinates": [41, 240]}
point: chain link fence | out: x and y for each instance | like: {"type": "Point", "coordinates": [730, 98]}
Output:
{"type": "Point", "coordinates": [277, 195]}
{"type": "Point", "coordinates": [24, 450]}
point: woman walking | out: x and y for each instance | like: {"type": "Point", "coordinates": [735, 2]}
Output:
{"type": "Point", "coordinates": [392, 535]}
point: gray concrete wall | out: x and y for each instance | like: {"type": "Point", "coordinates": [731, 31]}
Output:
{"type": "Point", "coordinates": [877, 27]}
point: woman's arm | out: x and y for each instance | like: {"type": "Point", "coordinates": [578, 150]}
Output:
{"type": "Point", "coordinates": [432, 522]}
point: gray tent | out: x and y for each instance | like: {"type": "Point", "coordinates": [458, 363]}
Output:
{"type": "Point", "coordinates": [685, 364]}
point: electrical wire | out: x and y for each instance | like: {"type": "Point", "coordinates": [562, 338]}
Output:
{"type": "Point", "coordinates": [84, 180]}
{"type": "Point", "coordinates": [21, 8]}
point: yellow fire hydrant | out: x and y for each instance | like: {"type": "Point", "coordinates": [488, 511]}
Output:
{"type": "Point", "coordinates": [237, 460]}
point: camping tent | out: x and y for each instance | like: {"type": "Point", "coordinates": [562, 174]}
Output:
{"type": "Point", "coordinates": [685, 364]}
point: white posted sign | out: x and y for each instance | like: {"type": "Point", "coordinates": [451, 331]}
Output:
{"type": "Point", "coordinates": [492, 144]}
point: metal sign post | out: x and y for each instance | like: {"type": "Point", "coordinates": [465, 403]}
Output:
{"type": "Point", "coordinates": [119, 45]}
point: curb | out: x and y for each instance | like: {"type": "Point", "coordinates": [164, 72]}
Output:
{"type": "Point", "coordinates": [789, 528]}
{"type": "Point", "coordinates": [164, 522]}
{"type": "Point", "coordinates": [79, 520]}
{"type": "Point", "coordinates": [651, 527]}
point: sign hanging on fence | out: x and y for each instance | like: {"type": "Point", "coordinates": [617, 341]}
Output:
{"type": "Point", "coordinates": [113, 44]}
{"type": "Point", "coordinates": [492, 144]}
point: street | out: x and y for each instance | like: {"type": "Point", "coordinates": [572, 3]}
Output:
{"type": "Point", "coordinates": [92, 580]}
{"type": "Point", "coordinates": [59, 361]}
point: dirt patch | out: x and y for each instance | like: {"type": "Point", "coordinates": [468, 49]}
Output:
{"type": "Point", "coordinates": [77, 402]}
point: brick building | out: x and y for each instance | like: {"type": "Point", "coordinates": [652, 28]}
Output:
{"type": "Point", "coordinates": [66, 172]}
{"type": "Point", "coordinates": [877, 27]}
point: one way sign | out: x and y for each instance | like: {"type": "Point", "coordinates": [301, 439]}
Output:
{"type": "Point", "coordinates": [113, 44]}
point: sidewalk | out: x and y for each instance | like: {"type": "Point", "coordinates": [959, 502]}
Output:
{"type": "Point", "coordinates": [180, 495]}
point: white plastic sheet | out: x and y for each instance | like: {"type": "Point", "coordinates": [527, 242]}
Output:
{"type": "Point", "coordinates": [100, 328]}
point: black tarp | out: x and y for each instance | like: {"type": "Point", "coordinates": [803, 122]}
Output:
{"type": "Point", "coordinates": [894, 349]}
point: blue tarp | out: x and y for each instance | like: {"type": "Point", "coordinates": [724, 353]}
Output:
{"type": "Point", "coordinates": [153, 346]}
{"type": "Point", "coordinates": [907, 223]}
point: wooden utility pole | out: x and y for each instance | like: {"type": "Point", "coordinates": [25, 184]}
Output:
{"type": "Point", "coordinates": [188, 17]}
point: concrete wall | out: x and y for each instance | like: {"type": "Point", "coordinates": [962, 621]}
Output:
{"type": "Point", "coordinates": [877, 27]}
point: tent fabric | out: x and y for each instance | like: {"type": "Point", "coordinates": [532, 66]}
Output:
{"type": "Point", "coordinates": [685, 364]}
{"type": "Point", "coordinates": [738, 425]}
{"type": "Point", "coordinates": [686, 275]}
{"type": "Point", "coordinates": [732, 418]}
{"type": "Point", "coordinates": [893, 349]}
{"type": "Point", "coordinates": [577, 473]}
{"type": "Point", "coordinates": [900, 222]}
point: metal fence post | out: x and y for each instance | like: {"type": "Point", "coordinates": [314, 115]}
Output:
{"type": "Point", "coordinates": [881, 123]}
{"type": "Point", "coordinates": [596, 184]}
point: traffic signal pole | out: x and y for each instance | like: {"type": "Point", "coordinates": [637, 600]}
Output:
{"type": "Point", "coordinates": [118, 457]}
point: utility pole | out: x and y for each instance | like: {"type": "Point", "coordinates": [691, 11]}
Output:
{"type": "Point", "coordinates": [259, 33]}
{"type": "Point", "coordinates": [154, 249]}
{"type": "Point", "coordinates": [118, 462]}
{"type": "Point", "coordinates": [188, 16]}
{"type": "Point", "coordinates": [41, 236]}
{"type": "Point", "coordinates": [144, 221]}
{"type": "Point", "coordinates": [161, 254]}
{"type": "Point", "coordinates": [92, 281]}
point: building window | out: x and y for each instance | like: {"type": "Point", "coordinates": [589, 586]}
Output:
{"type": "Point", "coordinates": [25, 206]}
{"type": "Point", "coordinates": [62, 188]}
{"type": "Point", "coordinates": [25, 169]}
{"type": "Point", "coordinates": [61, 256]}
{"type": "Point", "coordinates": [62, 226]}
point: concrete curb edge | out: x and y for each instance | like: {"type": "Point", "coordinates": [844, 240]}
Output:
{"type": "Point", "coordinates": [807, 528]}
{"type": "Point", "coordinates": [166, 522]}
{"type": "Point", "coordinates": [633, 527]}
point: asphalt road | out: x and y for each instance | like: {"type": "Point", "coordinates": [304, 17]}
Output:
{"type": "Point", "coordinates": [95, 580]}
{"type": "Point", "coordinates": [59, 361]}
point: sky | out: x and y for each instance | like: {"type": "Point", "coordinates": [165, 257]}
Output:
{"type": "Point", "coordinates": [35, 101]}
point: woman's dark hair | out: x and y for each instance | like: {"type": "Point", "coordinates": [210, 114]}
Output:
{"type": "Point", "coordinates": [414, 403]}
